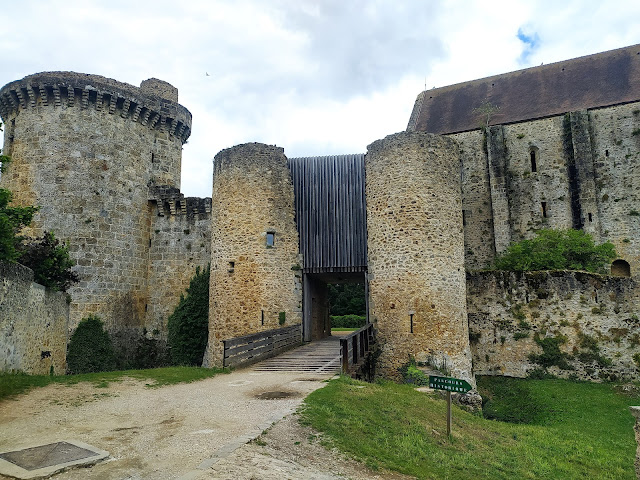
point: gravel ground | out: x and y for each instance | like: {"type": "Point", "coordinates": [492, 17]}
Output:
{"type": "Point", "coordinates": [199, 430]}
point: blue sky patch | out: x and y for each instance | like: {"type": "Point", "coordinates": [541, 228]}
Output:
{"type": "Point", "coordinates": [530, 41]}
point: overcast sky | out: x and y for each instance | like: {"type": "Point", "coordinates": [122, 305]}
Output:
{"type": "Point", "coordinates": [315, 77]}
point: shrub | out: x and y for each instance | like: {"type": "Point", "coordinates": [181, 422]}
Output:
{"type": "Point", "coordinates": [412, 374]}
{"type": "Point", "coordinates": [557, 250]}
{"type": "Point", "coordinates": [12, 219]}
{"type": "Point", "coordinates": [551, 354]}
{"type": "Point", "coordinates": [90, 348]}
{"type": "Point", "coordinates": [49, 259]}
{"type": "Point", "coordinates": [348, 321]}
{"type": "Point", "coordinates": [347, 299]}
{"type": "Point", "coordinates": [188, 325]}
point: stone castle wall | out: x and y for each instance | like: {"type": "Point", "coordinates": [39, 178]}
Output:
{"type": "Point", "coordinates": [33, 324]}
{"type": "Point", "coordinates": [587, 175]}
{"type": "Point", "coordinates": [180, 241]}
{"type": "Point", "coordinates": [415, 252]}
{"type": "Point", "coordinates": [592, 318]}
{"type": "Point", "coordinates": [254, 286]}
{"type": "Point", "coordinates": [86, 150]}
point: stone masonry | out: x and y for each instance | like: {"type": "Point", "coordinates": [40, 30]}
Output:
{"type": "Point", "coordinates": [87, 150]}
{"type": "Point", "coordinates": [33, 324]}
{"type": "Point", "coordinates": [255, 279]}
{"type": "Point", "coordinates": [416, 252]}
{"type": "Point", "coordinates": [558, 147]}
{"type": "Point", "coordinates": [592, 318]}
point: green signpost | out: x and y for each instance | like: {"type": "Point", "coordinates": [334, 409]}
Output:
{"type": "Point", "coordinates": [449, 384]}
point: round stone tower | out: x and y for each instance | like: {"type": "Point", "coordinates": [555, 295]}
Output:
{"type": "Point", "coordinates": [87, 150]}
{"type": "Point", "coordinates": [417, 283]}
{"type": "Point", "coordinates": [255, 269]}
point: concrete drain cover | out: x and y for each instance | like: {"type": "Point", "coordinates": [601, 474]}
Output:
{"type": "Point", "coordinates": [274, 395]}
{"type": "Point", "coordinates": [45, 460]}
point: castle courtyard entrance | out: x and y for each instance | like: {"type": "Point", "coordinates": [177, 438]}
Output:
{"type": "Point", "coordinates": [316, 306]}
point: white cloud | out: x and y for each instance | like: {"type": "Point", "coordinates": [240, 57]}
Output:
{"type": "Point", "coordinates": [315, 77]}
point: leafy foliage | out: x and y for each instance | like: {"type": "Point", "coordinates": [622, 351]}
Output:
{"type": "Point", "coordinates": [348, 321]}
{"type": "Point", "coordinates": [12, 219]}
{"type": "Point", "coordinates": [188, 325]}
{"type": "Point", "coordinates": [551, 354]}
{"type": "Point", "coordinates": [90, 348]}
{"type": "Point", "coordinates": [49, 259]}
{"type": "Point", "coordinates": [557, 250]}
{"type": "Point", "coordinates": [347, 299]}
{"type": "Point", "coordinates": [412, 374]}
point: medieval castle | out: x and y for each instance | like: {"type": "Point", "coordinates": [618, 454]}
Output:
{"type": "Point", "coordinates": [481, 165]}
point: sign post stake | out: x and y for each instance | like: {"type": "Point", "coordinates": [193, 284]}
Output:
{"type": "Point", "coordinates": [448, 413]}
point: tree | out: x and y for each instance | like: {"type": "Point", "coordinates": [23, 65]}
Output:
{"type": "Point", "coordinates": [50, 262]}
{"type": "Point", "coordinates": [12, 219]}
{"type": "Point", "coordinates": [90, 348]}
{"type": "Point", "coordinates": [557, 250]}
{"type": "Point", "coordinates": [486, 111]}
{"type": "Point", "coordinates": [48, 259]}
{"type": "Point", "coordinates": [347, 299]}
{"type": "Point", "coordinates": [188, 325]}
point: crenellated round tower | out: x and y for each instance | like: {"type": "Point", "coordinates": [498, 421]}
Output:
{"type": "Point", "coordinates": [88, 150]}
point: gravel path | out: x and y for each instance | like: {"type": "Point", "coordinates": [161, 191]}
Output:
{"type": "Point", "coordinates": [188, 431]}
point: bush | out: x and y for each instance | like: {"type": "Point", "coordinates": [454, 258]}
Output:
{"type": "Point", "coordinates": [551, 354]}
{"type": "Point", "coordinates": [348, 321]}
{"type": "Point", "coordinates": [557, 250]}
{"type": "Point", "coordinates": [188, 325]}
{"type": "Point", "coordinates": [90, 348]}
{"type": "Point", "coordinates": [412, 374]}
{"type": "Point", "coordinates": [49, 259]}
{"type": "Point", "coordinates": [347, 299]}
{"type": "Point", "coordinates": [12, 219]}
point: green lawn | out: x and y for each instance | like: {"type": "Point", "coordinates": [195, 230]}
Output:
{"type": "Point", "coordinates": [574, 430]}
{"type": "Point", "coordinates": [12, 384]}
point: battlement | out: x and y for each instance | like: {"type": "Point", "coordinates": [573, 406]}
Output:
{"type": "Point", "coordinates": [169, 201]}
{"type": "Point", "coordinates": [153, 105]}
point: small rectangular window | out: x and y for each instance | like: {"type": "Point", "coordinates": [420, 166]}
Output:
{"type": "Point", "coordinates": [271, 237]}
{"type": "Point", "coordinates": [544, 209]}
{"type": "Point", "coordinates": [590, 218]}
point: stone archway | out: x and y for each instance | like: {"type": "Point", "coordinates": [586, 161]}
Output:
{"type": "Point", "coordinates": [620, 268]}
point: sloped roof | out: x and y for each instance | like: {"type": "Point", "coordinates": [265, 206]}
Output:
{"type": "Point", "coordinates": [599, 80]}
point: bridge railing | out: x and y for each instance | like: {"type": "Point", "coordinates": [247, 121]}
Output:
{"type": "Point", "coordinates": [258, 346]}
{"type": "Point", "coordinates": [354, 347]}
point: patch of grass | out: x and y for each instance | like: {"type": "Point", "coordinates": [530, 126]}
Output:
{"type": "Point", "coordinates": [392, 426]}
{"type": "Point", "coordinates": [12, 384]}
{"type": "Point", "coordinates": [343, 329]}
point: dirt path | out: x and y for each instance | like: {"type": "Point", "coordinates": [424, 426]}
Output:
{"type": "Point", "coordinates": [197, 430]}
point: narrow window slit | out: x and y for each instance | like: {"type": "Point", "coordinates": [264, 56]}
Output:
{"type": "Point", "coordinates": [271, 239]}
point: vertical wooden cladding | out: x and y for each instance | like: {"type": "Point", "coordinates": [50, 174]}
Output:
{"type": "Point", "coordinates": [331, 212]}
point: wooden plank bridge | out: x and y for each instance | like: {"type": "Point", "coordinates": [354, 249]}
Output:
{"type": "Point", "coordinates": [282, 350]}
